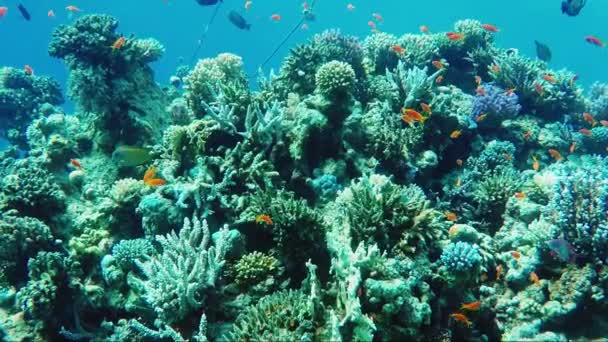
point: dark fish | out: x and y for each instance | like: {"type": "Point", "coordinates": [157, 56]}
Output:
{"type": "Point", "coordinates": [542, 51]}
{"type": "Point", "coordinates": [573, 7]}
{"type": "Point", "coordinates": [238, 20]}
{"type": "Point", "coordinates": [562, 250]}
{"type": "Point", "coordinates": [208, 2]}
{"type": "Point", "coordinates": [26, 15]}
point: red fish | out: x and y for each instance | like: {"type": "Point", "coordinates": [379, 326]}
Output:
{"type": "Point", "coordinates": [491, 28]}
{"type": "Point", "coordinates": [50, 14]}
{"type": "Point", "coordinates": [426, 108]}
{"type": "Point", "coordinates": [549, 78]}
{"type": "Point", "coordinates": [527, 135]}
{"type": "Point", "coordinates": [416, 116]}
{"type": "Point", "coordinates": [3, 11]}
{"type": "Point", "coordinates": [589, 118]}
{"type": "Point", "coordinates": [481, 117]}
{"type": "Point", "coordinates": [73, 9]}
{"type": "Point", "coordinates": [275, 17]}
{"type": "Point", "coordinates": [350, 7]}
{"type": "Point", "coordinates": [439, 79]}
{"type": "Point", "coordinates": [371, 24]}
{"type": "Point", "coordinates": [28, 70]}
{"type": "Point", "coordinates": [149, 179]}
{"type": "Point", "coordinates": [454, 36]}
{"type": "Point", "coordinates": [424, 29]}
{"type": "Point", "coordinates": [516, 254]}
{"type": "Point", "coordinates": [473, 306]}
{"type": "Point", "coordinates": [118, 43]}
{"type": "Point", "coordinates": [264, 218]}
{"type": "Point", "coordinates": [398, 49]}
{"type": "Point", "coordinates": [378, 17]}
{"type": "Point", "coordinates": [450, 216]}
{"type": "Point", "coordinates": [555, 154]}
{"type": "Point", "coordinates": [480, 91]}
{"type": "Point", "coordinates": [595, 41]}
{"type": "Point", "coordinates": [437, 64]}
{"type": "Point", "coordinates": [539, 88]}
{"type": "Point", "coordinates": [461, 318]}
{"type": "Point", "coordinates": [604, 123]}
{"type": "Point", "coordinates": [585, 132]}
{"type": "Point", "coordinates": [534, 278]}
{"type": "Point", "coordinates": [76, 163]}
{"type": "Point", "coordinates": [495, 68]}
{"type": "Point", "coordinates": [456, 133]}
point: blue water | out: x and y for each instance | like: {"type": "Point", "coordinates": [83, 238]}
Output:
{"type": "Point", "coordinates": [178, 25]}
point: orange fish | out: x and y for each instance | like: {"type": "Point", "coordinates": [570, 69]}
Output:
{"type": "Point", "coordinates": [590, 119]}
{"type": "Point", "coordinates": [371, 24]}
{"type": "Point", "coordinates": [149, 179]}
{"type": "Point", "coordinates": [499, 270]}
{"type": "Point", "coordinates": [604, 123]}
{"type": "Point", "coordinates": [450, 216]}
{"type": "Point", "coordinates": [510, 91]}
{"type": "Point", "coordinates": [407, 119]}
{"type": "Point", "coordinates": [480, 91]}
{"type": "Point", "coordinates": [350, 7]}
{"type": "Point", "coordinates": [535, 164]}
{"type": "Point", "coordinates": [275, 17]}
{"type": "Point", "coordinates": [495, 68]}
{"type": "Point", "coordinates": [454, 36]}
{"type": "Point", "coordinates": [461, 318]}
{"type": "Point", "coordinates": [73, 9]}
{"type": "Point", "coordinates": [549, 78]}
{"type": "Point", "coordinates": [507, 157]}
{"type": "Point", "coordinates": [50, 14]}
{"type": "Point", "coordinates": [459, 162]}
{"type": "Point", "coordinates": [437, 64]}
{"type": "Point", "coordinates": [28, 69]}
{"type": "Point", "coordinates": [398, 49]}
{"type": "Point", "coordinates": [473, 306]}
{"type": "Point", "coordinates": [539, 88]}
{"type": "Point", "coordinates": [527, 135]}
{"type": "Point", "coordinates": [516, 255]}
{"type": "Point", "coordinates": [481, 117]}
{"type": "Point", "coordinates": [413, 114]}
{"type": "Point", "coordinates": [572, 147]}
{"type": "Point", "coordinates": [585, 132]}
{"type": "Point", "coordinates": [491, 28]}
{"type": "Point", "coordinates": [520, 195]}
{"type": "Point", "coordinates": [477, 80]}
{"type": "Point", "coordinates": [426, 108]}
{"type": "Point", "coordinates": [3, 11]}
{"type": "Point", "coordinates": [555, 154]}
{"type": "Point", "coordinates": [455, 134]}
{"type": "Point", "coordinates": [378, 17]}
{"type": "Point", "coordinates": [453, 230]}
{"type": "Point", "coordinates": [424, 29]}
{"type": "Point", "coordinates": [118, 43]}
{"type": "Point", "coordinates": [76, 163]}
{"type": "Point", "coordinates": [263, 218]}
{"type": "Point", "coordinates": [439, 79]}
{"type": "Point", "coordinates": [534, 278]}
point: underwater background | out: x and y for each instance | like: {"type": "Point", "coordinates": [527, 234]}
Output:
{"type": "Point", "coordinates": [340, 171]}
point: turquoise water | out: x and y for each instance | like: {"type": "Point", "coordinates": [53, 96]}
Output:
{"type": "Point", "coordinates": [178, 25]}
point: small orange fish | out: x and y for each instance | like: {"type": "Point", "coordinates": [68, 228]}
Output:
{"type": "Point", "coordinates": [398, 49]}
{"type": "Point", "coordinates": [473, 306]}
{"type": "Point", "coordinates": [555, 154]}
{"type": "Point", "coordinates": [527, 135]}
{"type": "Point", "coordinates": [371, 24]}
{"type": "Point", "coordinates": [520, 195]}
{"type": "Point", "coordinates": [539, 88]}
{"type": "Point", "coordinates": [516, 255]}
{"type": "Point", "coordinates": [511, 91]}
{"type": "Point", "coordinates": [426, 108]}
{"type": "Point", "coordinates": [155, 182]}
{"type": "Point", "coordinates": [275, 17]}
{"type": "Point", "coordinates": [585, 132]}
{"type": "Point", "coordinates": [413, 114]}
{"type": "Point", "coordinates": [572, 147]}
{"type": "Point", "coordinates": [150, 173]}
{"type": "Point", "coordinates": [507, 157]}
{"type": "Point", "coordinates": [477, 80]}
{"type": "Point", "coordinates": [378, 17]}
{"type": "Point", "coordinates": [480, 91]}
{"type": "Point", "coordinates": [450, 216]}
{"type": "Point", "coordinates": [118, 43]}
{"type": "Point", "coordinates": [149, 179]}
{"type": "Point", "coordinates": [499, 270]}
{"type": "Point", "coordinates": [458, 182]}
{"type": "Point", "coordinates": [453, 230]}
{"type": "Point", "coordinates": [590, 119]}
{"type": "Point", "coordinates": [263, 218]}
{"type": "Point", "coordinates": [459, 162]}
{"type": "Point", "coordinates": [490, 28]}
{"type": "Point", "coordinates": [407, 119]}
{"type": "Point", "coordinates": [28, 69]}
{"type": "Point", "coordinates": [424, 29]}
{"type": "Point", "coordinates": [549, 78]}
{"type": "Point", "coordinates": [50, 13]}
{"type": "Point", "coordinates": [437, 64]}
{"type": "Point", "coordinates": [604, 123]}
{"type": "Point", "coordinates": [76, 163]}
{"type": "Point", "coordinates": [535, 163]}
{"type": "Point", "coordinates": [534, 278]}
{"type": "Point", "coordinates": [73, 9]}
{"type": "Point", "coordinates": [481, 118]}
{"type": "Point", "coordinates": [461, 318]}
{"type": "Point", "coordinates": [454, 36]}
{"type": "Point", "coordinates": [495, 68]}
{"type": "Point", "coordinates": [455, 134]}
{"type": "Point", "coordinates": [439, 79]}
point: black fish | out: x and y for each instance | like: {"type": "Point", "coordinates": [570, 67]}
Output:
{"type": "Point", "coordinates": [573, 7]}
{"type": "Point", "coordinates": [208, 2]}
{"type": "Point", "coordinates": [238, 20]}
{"type": "Point", "coordinates": [542, 51]}
{"type": "Point", "coordinates": [26, 15]}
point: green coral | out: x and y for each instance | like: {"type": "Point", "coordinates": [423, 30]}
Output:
{"type": "Point", "coordinates": [255, 267]}
{"type": "Point", "coordinates": [335, 79]}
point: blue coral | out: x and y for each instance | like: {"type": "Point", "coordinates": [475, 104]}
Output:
{"type": "Point", "coordinates": [496, 103]}
{"type": "Point", "coordinates": [461, 257]}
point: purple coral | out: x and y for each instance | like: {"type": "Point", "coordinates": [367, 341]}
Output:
{"type": "Point", "coordinates": [495, 102]}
